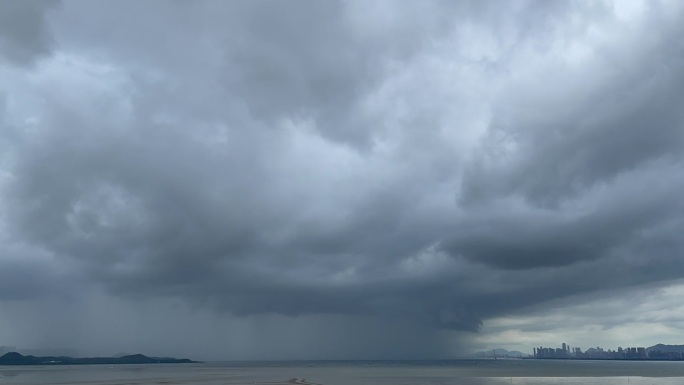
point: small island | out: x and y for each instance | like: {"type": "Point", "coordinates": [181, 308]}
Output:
{"type": "Point", "coordinates": [14, 358]}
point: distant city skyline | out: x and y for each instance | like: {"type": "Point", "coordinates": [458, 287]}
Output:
{"type": "Point", "coordinates": [657, 352]}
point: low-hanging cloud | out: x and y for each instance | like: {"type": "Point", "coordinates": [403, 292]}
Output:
{"type": "Point", "coordinates": [24, 36]}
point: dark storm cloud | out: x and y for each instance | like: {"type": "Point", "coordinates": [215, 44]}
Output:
{"type": "Point", "coordinates": [21, 280]}
{"type": "Point", "coordinates": [619, 135]}
{"type": "Point", "coordinates": [24, 36]}
{"type": "Point", "coordinates": [434, 165]}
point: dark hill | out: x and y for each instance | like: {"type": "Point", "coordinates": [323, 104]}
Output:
{"type": "Point", "coordinates": [137, 359]}
{"type": "Point", "coordinates": [667, 348]}
{"type": "Point", "coordinates": [14, 358]}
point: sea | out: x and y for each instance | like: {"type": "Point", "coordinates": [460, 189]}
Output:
{"type": "Point", "coordinates": [452, 372]}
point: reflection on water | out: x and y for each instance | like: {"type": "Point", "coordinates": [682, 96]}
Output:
{"type": "Point", "coordinates": [464, 372]}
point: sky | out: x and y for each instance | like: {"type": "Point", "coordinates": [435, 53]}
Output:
{"type": "Point", "coordinates": [340, 179]}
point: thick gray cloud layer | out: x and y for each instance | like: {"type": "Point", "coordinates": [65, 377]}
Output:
{"type": "Point", "coordinates": [23, 33]}
{"type": "Point", "coordinates": [428, 165]}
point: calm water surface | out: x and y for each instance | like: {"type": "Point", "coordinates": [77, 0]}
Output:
{"type": "Point", "coordinates": [461, 372]}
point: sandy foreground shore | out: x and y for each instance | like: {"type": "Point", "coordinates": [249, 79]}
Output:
{"type": "Point", "coordinates": [471, 373]}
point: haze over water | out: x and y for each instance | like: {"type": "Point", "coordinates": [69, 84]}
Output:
{"type": "Point", "coordinates": [475, 372]}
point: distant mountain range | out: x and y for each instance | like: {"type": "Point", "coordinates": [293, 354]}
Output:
{"type": "Point", "coordinates": [667, 348]}
{"type": "Point", "coordinates": [14, 358]}
{"type": "Point", "coordinates": [500, 353]}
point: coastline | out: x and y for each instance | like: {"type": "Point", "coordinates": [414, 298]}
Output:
{"type": "Point", "coordinates": [17, 359]}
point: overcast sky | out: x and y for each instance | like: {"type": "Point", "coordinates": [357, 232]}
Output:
{"type": "Point", "coordinates": [353, 179]}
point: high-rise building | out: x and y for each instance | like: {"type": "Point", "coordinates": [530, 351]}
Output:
{"type": "Point", "coordinates": [641, 352]}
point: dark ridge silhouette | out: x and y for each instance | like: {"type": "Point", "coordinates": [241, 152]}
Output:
{"type": "Point", "coordinates": [14, 358]}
